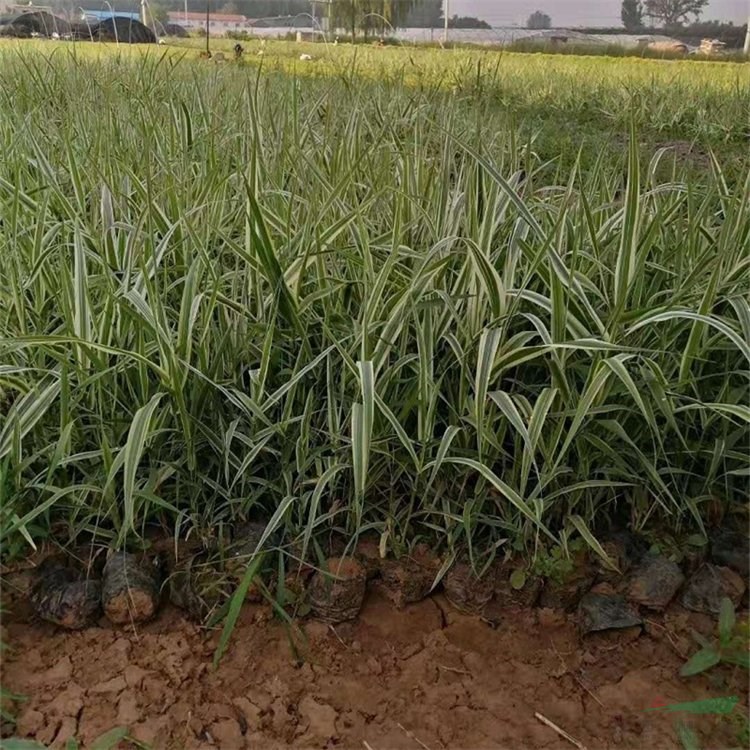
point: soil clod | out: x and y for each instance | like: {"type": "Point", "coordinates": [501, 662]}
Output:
{"type": "Point", "coordinates": [62, 595]}
{"type": "Point", "coordinates": [731, 549]}
{"type": "Point", "coordinates": [655, 582]}
{"type": "Point", "coordinates": [337, 593]}
{"type": "Point", "coordinates": [130, 592]}
{"type": "Point", "coordinates": [597, 612]}
{"type": "Point", "coordinates": [465, 590]}
{"type": "Point", "coordinates": [709, 585]}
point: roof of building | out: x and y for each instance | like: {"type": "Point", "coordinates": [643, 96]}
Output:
{"type": "Point", "coordinates": [178, 17]}
{"type": "Point", "coordinates": [102, 14]}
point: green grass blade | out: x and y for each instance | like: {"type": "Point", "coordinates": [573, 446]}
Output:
{"type": "Point", "coordinates": [138, 435]}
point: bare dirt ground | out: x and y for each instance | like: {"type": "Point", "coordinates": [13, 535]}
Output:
{"type": "Point", "coordinates": [422, 677]}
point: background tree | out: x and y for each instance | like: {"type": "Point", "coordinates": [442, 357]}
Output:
{"type": "Point", "coordinates": [368, 16]}
{"type": "Point", "coordinates": [467, 22]}
{"type": "Point", "coordinates": [674, 12]}
{"type": "Point", "coordinates": [157, 13]}
{"type": "Point", "coordinates": [539, 20]}
{"type": "Point", "coordinates": [632, 14]}
{"type": "Point", "coordinates": [425, 14]}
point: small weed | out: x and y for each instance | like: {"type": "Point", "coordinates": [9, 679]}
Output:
{"type": "Point", "coordinates": [107, 741]}
{"type": "Point", "coordinates": [557, 564]}
{"type": "Point", "coordinates": [729, 648]}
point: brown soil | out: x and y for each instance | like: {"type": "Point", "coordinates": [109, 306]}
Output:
{"type": "Point", "coordinates": [420, 677]}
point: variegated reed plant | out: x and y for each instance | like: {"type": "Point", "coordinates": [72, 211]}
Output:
{"type": "Point", "coordinates": [342, 304]}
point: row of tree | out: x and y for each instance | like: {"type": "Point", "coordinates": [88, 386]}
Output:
{"type": "Point", "coordinates": [680, 19]}
{"type": "Point", "coordinates": [660, 12]}
{"type": "Point", "coordinates": [381, 15]}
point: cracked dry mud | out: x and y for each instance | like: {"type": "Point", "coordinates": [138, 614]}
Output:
{"type": "Point", "coordinates": [391, 676]}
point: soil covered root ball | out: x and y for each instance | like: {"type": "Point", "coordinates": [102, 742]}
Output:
{"type": "Point", "coordinates": [366, 551]}
{"type": "Point", "coordinates": [606, 611]}
{"type": "Point", "coordinates": [130, 592]}
{"type": "Point", "coordinates": [337, 592]}
{"type": "Point", "coordinates": [654, 583]}
{"type": "Point", "coordinates": [411, 578]}
{"type": "Point", "coordinates": [199, 585]}
{"type": "Point", "coordinates": [64, 596]}
{"type": "Point", "coordinates": [709, 585]}
{"type": "Point", "coordinates": [465, 590]}
{"type": "Point", "coordinates": [625, 550]}
{"type": "Point", "coordinates": [514, 588]}
{"type": "Point", "coordinates": [242, 552]}
{"type": "Point", "coordinates": [567, 588]}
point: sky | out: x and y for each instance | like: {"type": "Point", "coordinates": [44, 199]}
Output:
{"type": "Point", "coordinates": [578, 12]}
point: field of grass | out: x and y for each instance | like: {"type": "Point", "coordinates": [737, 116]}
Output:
{"type": "Point", "coordinates": [492, 301]}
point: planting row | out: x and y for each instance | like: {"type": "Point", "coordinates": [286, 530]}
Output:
{"type": "Point", "coordinates": [607, 592]}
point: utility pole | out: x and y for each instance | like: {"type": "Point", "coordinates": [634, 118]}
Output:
{"type": "Point", "coordinates": [186, 12]}
{"type": "Point", "coordinates": [208, 26]}
{"type": "Point", "coordinates": [446, 3]}
{"type": "Point", "coordinates": [747, 37]}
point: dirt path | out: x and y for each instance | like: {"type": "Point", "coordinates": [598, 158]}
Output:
{"type": "Point", "coordinates": [423, 677]}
